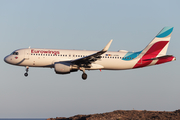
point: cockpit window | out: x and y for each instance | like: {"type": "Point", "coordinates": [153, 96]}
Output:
{"type": "Point", "coordinates": [14, 53]}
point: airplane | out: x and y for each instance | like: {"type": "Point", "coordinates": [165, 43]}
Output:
{"type": "Point", "coordinates": [67, 61]}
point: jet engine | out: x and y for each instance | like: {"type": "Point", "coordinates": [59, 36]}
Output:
{"type": "Point", "coordinates": [63, 68]}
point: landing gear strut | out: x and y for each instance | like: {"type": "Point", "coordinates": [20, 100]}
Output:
{"type": "Point", "coordinates": [84, 75]}
{"type": "Point", "coordinates": [26, 73]}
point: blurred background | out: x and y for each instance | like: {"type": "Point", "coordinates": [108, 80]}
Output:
{"type": "Point", "coordinates": [86, 25]}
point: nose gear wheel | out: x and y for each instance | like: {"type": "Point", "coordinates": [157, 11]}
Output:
{"type": "Point", "coordinates": [26, 73]}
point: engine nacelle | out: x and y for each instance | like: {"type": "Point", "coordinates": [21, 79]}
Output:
{"type": "Point", "coordinates": [62, 67]}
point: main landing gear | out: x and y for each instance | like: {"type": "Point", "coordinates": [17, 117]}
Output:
{"type": "Point", "coordinates": [84, 75]}
{"type": "Point", "coordinates": [26, 73]}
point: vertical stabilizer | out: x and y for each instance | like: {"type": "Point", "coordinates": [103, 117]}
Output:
{"type": "Point", "coordinates": [159, 45]}
{"type": "Point", "coordinates": [156, 48]}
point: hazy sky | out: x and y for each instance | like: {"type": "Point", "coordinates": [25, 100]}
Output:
{"type": "Point", "coordinates": [90, 24]}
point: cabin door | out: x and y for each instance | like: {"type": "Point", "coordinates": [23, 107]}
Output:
{"type": "Point", "coordinates": [26, 53]}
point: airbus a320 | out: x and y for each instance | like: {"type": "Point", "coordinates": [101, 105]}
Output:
{"type": "Point", "coordinates": [67, 61]}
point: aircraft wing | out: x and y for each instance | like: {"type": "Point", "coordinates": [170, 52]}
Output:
{"type": "Point", "coordinates": [93, 57]}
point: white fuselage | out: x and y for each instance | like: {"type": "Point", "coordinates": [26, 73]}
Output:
{"type": "Point", "coordinates": [47, 58]}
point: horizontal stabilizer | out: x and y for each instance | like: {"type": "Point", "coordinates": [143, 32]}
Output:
{"type": "Point", "coordinates": [162, 59]}
{"type": "Point", "coordinates": [157, 58]}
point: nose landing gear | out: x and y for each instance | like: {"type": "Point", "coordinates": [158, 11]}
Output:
{"type": "Point", "coordinates": [26, 73]}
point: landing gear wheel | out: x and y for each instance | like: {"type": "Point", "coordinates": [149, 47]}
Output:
{"type": "Point", "coordinates": [84, 76]}
{"type": "Point", "coordinates": [25, 74]}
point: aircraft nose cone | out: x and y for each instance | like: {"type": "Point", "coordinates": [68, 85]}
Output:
{"type": "Point", "coordinates": [6, 59]}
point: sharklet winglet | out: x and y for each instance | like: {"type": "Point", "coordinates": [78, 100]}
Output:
{"type": "Point", "coordinates": [107, 46]}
